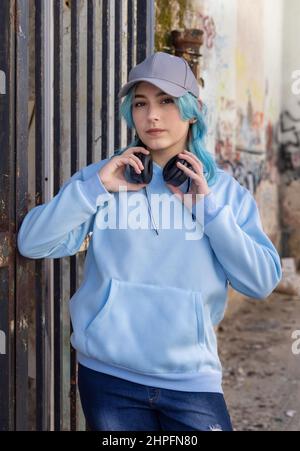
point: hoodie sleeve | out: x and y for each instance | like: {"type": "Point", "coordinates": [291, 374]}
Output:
{"type": "Point", "coordinates": [247, 255]}
{"type": "Point", "coordinates": [58, 228]}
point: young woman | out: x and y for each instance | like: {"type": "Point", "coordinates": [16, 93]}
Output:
{"type": "Point", "coordinates": [144, 315]}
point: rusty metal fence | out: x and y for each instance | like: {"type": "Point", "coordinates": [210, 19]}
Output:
{"type": "Point", "coordinates": [61, 66]}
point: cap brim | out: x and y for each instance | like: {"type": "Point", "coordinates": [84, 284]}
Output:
{"type": "Point", "coordinates": [166, 86]}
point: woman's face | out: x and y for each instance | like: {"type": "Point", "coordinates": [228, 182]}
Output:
{"type": "Point", "coordinates": [154, 109]}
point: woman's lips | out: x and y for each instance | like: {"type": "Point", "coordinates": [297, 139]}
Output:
{"type": "Point", "coordinates": [155, 133]}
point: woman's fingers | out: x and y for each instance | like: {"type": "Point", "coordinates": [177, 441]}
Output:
{"type": "Point", "coordinates": [131, 153]}
{"type": "Point", "coordinates": [112, 174]}
{"type": "Point", "coordinates": [193, 160]}
{"type": "Point", "coordinates": [133, 186]}
{"type": "Point", "coordinates": [132, 162]}
{"type": "Point", "coordinates": [134, 157]}
{"type": "Point", "coordinates": [192, 174]}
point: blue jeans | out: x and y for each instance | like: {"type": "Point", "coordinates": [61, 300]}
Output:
{"type": "Point", "coordinates": [113, 404]}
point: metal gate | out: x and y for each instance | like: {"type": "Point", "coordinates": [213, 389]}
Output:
{"type": "Point", "coordinates": [61, 66]}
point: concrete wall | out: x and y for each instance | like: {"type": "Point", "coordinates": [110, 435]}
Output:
{"type": "Point", "coordinates": [242, 70]}
{"type": "Point", "coordinates": [289, 132]}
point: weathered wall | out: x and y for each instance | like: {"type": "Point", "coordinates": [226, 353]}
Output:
{"type": "Point", "coordinates": [289, 134]}
{"type": "Point", "coordinates": [242, 70]}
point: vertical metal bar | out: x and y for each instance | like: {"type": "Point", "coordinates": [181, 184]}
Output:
{"type": "Point", "coordinates": [39, 147]}
{"type": "Point", "coordinates": [90, 81]}
{"type": "Point", "coordinates": [130, 48]}
{"type": "Point", "coordinates": [41, 294]}
{"type": "Point", "coordinates": [74, 168]}
{"type": "Point", "coordinates": [111, 75]}
{"type": "Point", "coordinates": [105, 40]}
{"type": "Point", "coordinates": [74, 84]}
{"type": "Point", "coordinates": [7, 206]}
{"type": "Point", "coordinates": [118, 71]}
{"type": "Point", "coordinates": [130, 33]}
{"type": "Point", "coordinates": [65, 173]}
{"type": "Point", "coordinates": [21, 327]}
{"type": "Point", "coordinates": [84, 126]}
{"type": "Point", "coordinates": [48, 188]}
{"type": "Point", "coordinates": [141, 23]}
{"type": "Point", "coordinates": [98, 79]}
{"type": "Point", "coordinates": [145, 23]}
{"type": "Point", "coordinates": [150, 27]}
{"type": "Point", "coordinates": [58, 345]}
{"type": "Point", "coordinates": [123, 67]}
{"type": "Point", "coordinates": [108, 60]}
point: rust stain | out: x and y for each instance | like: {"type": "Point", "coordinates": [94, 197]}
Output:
{"type": "Point", "coordinates": [4, 250]}
{"type": "Point", "coordinates": [23, 323]}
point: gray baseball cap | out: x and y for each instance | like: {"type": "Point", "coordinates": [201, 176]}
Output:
{"type": "Point", "coordinates": [172, 74]}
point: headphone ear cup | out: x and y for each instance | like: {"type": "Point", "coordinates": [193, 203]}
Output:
{"type": "Point", "coordinates": [173, 174]}
{"type": "Point", "coordinates": [147, 172]}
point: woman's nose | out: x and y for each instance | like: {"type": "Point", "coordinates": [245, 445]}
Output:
{"type": "Point", "coordinates": [153, 113]}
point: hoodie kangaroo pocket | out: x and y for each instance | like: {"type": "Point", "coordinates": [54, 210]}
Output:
{"type": "Point", "coordinates": [148, 328]}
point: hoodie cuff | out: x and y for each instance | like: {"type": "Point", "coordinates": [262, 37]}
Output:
{"type": "Point", "coordinates": [94, 190]}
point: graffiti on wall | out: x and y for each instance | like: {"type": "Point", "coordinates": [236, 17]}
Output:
{"type": "Point", "coordinates": [234, 125]}
{"type": "Point", "coordinates": [248, 170]}
{"type": "Point", "coordinates": [288, 137]}
{"type": "Point", "coordinates": [225, 129]}
{"type": "Point", "coordinates": [207, 24]}
{"type": "Point", "coordinates": [244, 162]}
{"type": "Point", "coordinates": [250, 127]}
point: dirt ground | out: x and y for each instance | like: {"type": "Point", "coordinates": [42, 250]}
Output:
{"type": "Point", "coordinates": [261, 374]}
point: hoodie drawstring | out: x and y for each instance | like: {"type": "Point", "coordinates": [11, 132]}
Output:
{"type": "Point", "coordinates": [150, 212]}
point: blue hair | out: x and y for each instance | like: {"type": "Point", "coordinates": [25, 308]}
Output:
{"type": "Point", "coordinates": [188, 106]}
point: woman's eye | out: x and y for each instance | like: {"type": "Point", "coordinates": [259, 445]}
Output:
{"type": "Point", "coordinates": [164, 100]}
{"type": "Point", "coordinates": [171, 100]}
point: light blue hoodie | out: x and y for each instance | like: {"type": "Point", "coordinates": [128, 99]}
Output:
{"type": "Point", "coordinates": [149, 301]}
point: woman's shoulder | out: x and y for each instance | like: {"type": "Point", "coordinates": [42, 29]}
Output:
{"type": "Point", "coordinates": [229, 191]}
{"type": "Point", "coordinates": [229, 182]}
{"type": "Point", "coordinates": [88, 171]}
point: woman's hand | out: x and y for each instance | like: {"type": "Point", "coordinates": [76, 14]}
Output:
{"type": "Point", "coordinates": [198, 181]}
{"type": "Point", "coordinates": [112, 173]}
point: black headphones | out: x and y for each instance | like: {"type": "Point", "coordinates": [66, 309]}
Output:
{"type": "Point", "coordinates": [171, 173]}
